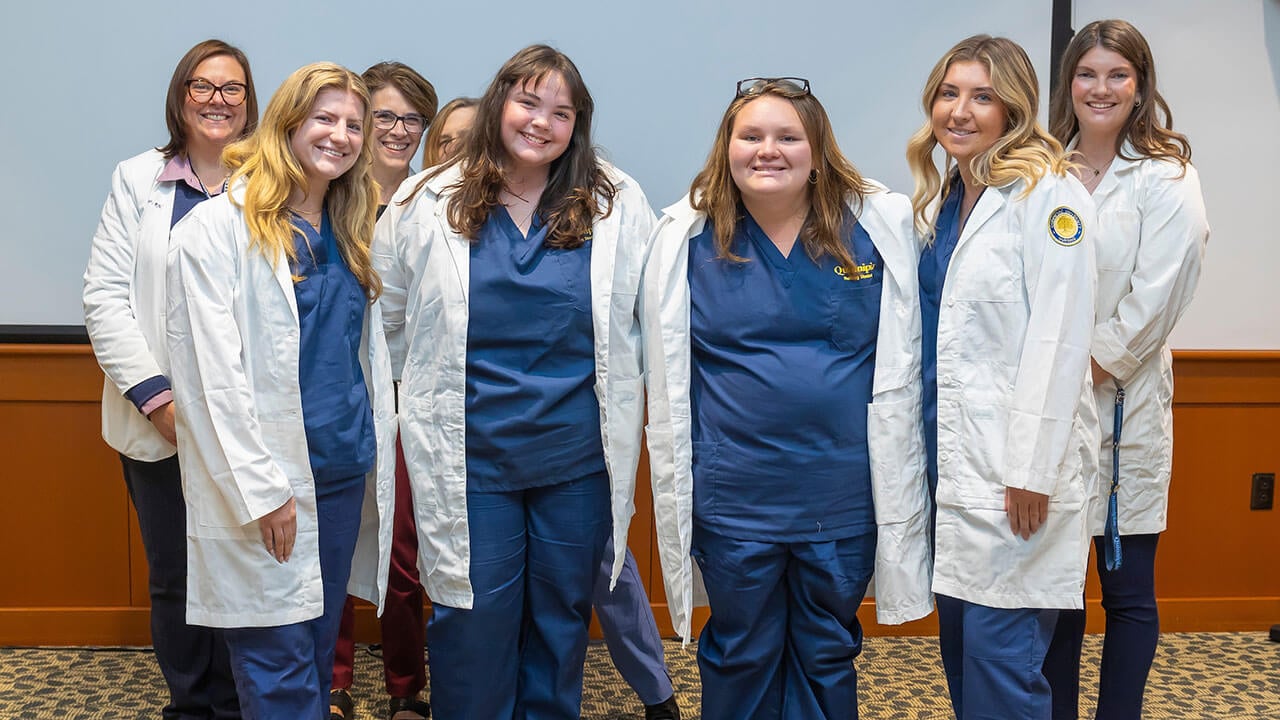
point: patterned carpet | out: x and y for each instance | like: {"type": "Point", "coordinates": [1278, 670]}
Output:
{"type": "Point", "coordinates": [1197, 676]}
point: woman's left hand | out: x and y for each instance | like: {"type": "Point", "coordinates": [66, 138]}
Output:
{"type": "Point", "coordinates": [1027, 511]}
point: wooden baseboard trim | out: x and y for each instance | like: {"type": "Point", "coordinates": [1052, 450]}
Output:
{"type": "Point", "coordinates": [115, 626]}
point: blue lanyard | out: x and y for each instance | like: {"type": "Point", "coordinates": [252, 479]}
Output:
{"type": "Point", "coordinates": [1113, 555]}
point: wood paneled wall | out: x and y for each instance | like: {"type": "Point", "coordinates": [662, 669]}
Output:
{"type": "Point", "coordinates": [74, 572]}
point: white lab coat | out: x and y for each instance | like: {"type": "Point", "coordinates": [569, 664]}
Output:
{"type": "Point", "coordinates": [1014, 399]}
{"type": "Point", "coordinates": [124, 286]}
{"type": "Point", "coordinates": [1152, 233]}
{"type": "Point", "coordinates": [234, 342]}
{"type": "Point", "coordinates": [894, 428]}
{"type": "Point", "coordinates": [425, 270]}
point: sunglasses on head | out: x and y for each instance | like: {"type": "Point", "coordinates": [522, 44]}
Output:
{"type": "Point", "coordinates": [791, 87]}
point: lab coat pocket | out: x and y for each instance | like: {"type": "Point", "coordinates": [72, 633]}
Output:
{"type": "Point", "coordinates": [987, 269]}
{"type": "Point", "coordinates": [895, 442]}
{"type": "Point", "coordinates": [213, 515]}
{"type": "Point", "coordinates": [1118, 249]}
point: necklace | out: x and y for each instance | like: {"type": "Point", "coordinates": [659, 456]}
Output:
{"type": "Point", "coordinates": [308, 214]}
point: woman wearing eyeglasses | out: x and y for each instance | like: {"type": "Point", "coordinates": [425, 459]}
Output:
{"type": "Point", "coordinates": [1007, 284]}
{"type": "Point", "coordinates": [404, 104]}
{"type": "Point", "coordinates": [1152, 231]}
{"type": "Point", "coordinates": [511, 274]}
{"type": "Point", "coordinates": [286, 421]}
{"type": "Point", "coordinates": [782, 339]}
{"type": "Point", "coordinates": [211, 103]}
{"type": "Point", "coordinates": [444, 137]}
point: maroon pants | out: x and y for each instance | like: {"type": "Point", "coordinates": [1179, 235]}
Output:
{"type": "Point", "coordinates": [403, 630]}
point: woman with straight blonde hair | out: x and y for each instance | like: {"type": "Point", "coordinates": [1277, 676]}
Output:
{"type": "Point", "coordinates": [1152, 235]}
{"type": "Point", "coordinates": [782, 346]}
{"type": "Point", "coordinates": [281, 379]}
{"type": "Point", "coordinates": [1006, 282]}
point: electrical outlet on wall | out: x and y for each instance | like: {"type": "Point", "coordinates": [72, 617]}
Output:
{"type": "Point", "coordinates": [1263, 493]}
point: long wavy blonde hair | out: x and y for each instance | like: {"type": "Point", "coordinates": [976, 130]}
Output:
{"type": "Point", "coordinates": [1149, 127]}
{"type": "Point", "coordinates": [271, 172]}
{"type": "Point", "coordinates": [1026, 151]}
{"type": "Point", "coordinates": [836, 183]}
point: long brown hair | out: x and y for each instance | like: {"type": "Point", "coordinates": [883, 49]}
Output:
{"type": "Point", "coordinates": [1149, 127]}
{"type": "Point", "coordinates": [838, 182]}
{"type": "Point", "coordinates": [176, 98]}
{"type": "Point", "coordinates": [569, 204]}
{"type": "Point", "coordinates": [271, 171]}
{"type": "Point", "coordinates": [1026, 151]}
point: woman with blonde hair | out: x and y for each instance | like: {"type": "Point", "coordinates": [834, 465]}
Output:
{"type": "Point", "coordinates": [511, 275]}
{"type": "Point", "coordinates": [1152, 233]}
{"type": "Point", "coordinates": [782, 344]}
{"type": "Point", "coordinates": [281, 378]}
{"type": "Point", "coordinates": [211, 103]}
{"type": "Point", "coordinates": [1006, 282]}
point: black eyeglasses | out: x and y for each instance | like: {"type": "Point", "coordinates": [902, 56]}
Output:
{"type": "Point", "coordinates": [792, 87]}
{"type": "Point", "coordinates": [414, 123]}
{"type": "Point", "coordinates": [201, 90]}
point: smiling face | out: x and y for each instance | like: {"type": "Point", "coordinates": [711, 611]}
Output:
{"type": "Point", "coordinates": [1103, 90]}
{"type": "Point", "coordinates": [329, 139]}
{"type": "Point", "coordinates": [769, 153]}
{"type": "Point", "coordinates": [392, 149]}
{"type": "Point", "coordinates": [215, 123]}
{"type": "Point", "coordinates": [967, 117]}
{"type": "Point", "coordinates": [537, 123]}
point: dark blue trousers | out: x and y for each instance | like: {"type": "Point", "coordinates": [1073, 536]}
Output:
{"type": "Point", "coordinates": [192, 659]}
{"type": "Point", "coordinates": [1129, 646]}
{"type": "Point", "coordinates": [518, 652]}
{"type": "Point", "coordinates": [784, 630]}
{"type": "Point", "coordinates": [285, 671]}
{"type": "Point", "coordinates": [630, 632]}
{"type": "Point", "coordinates": [993, 658]}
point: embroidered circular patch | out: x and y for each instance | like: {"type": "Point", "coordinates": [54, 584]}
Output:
{"type": "Point", "coordinates": [1065, 226]}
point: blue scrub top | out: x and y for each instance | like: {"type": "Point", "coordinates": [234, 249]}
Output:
{"type": "Point", "coordinates": [934, 261]}
{"type": "Point", "coordinates": [531, 409]}
{"type": "Point", "coordinates": [783, 358]}
{"type": "Point", "coordinates": [335, 401]}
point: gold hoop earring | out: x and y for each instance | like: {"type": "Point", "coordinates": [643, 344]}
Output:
{"type": "Point", "coordinates": [813, 177]}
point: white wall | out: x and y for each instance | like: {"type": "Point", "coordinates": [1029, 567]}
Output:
{"type": "Point", "coordinates": [86, 82]}
{"type": "Point", "coordinates": [1219, 67]}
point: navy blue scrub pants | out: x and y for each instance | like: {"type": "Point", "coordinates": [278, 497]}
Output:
{"type": "Point", "coordinates": [518, 652]}
{"type": "Point", "coordinates": [193, 659]}
{"type": "Point", "coordinates": [784, 630]}
{"type": "Point", "coordinates": [1129, 646]}
{"type": "Point", "coordinates": [993, 658]}
{"type": "Point", "coordinates": [285, 671]}
{"type": "Point", "coordinates": [630, 632]}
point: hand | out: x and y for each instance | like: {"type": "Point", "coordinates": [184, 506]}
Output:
{"type": "Point", "coordinates": [1027, 511]}
{"type": "Point", "coordinates": [162, 419]}
{"type": "Point", "coordinates": [279, 529]}
{"type": "Point", "coordinates": [1099, 375]}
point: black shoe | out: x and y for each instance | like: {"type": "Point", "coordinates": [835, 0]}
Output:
{"type": "Point", "coordinates": [665, 710]}
{"type": "Point", "coordinates": [395, 705]}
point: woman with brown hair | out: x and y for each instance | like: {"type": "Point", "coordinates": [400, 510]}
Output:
{"type": "Point", "coordinates": [510, 274]}
{"type": "Point", "coordinates": [403, 106]}
{"type": "Point", "coordinates": [211, 103]}
{"type": "Point", "coordinates": [782, 347]}
{"type": "Point", "coordinates": [1152, 233]}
